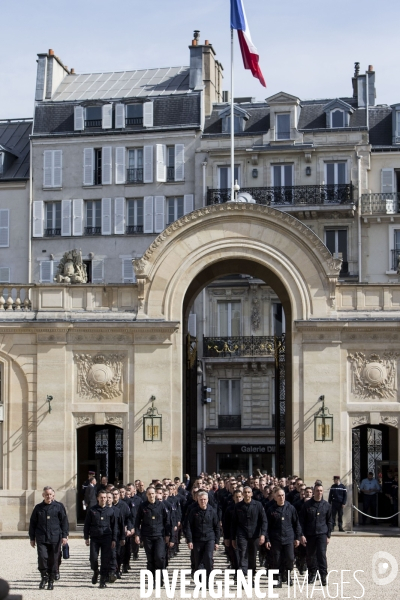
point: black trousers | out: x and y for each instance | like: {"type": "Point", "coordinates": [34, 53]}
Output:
{"type": "Point", "coordinates": [155, 553]}
{"type": "Point", "coordinates": [134, 547]}
{"type": "Point", "coordinates": [247, 553]}
{"type": "Point", "coordinates": [203, 554]}
{"type": "Point", "coordinates": [301, 557]}
{"type": "Point", "coordinates": [337, 509]}
{"type": "Point", "coordinates": [233, 556]}
{"type": "Point", "coordinates": [103, 545]}
{"type": "Point", "coordinates": [316, 554]}
{"type": "Point", "coordinates": [48, 558]}
{"type": "Point", "coordinates": [126, 553]}
{"type": "Point", "coordinates": [369, 507]}
{"type": "Point", "coordinates": [282, 556]}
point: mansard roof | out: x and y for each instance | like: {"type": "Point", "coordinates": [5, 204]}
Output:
{"type": "Point", "coordinates": [14, 138]}
{"type": "Point", "coordinates": [338, 103]}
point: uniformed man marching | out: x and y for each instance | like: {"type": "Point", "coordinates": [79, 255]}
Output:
{"type": "Point", "coordinates": [100, 532]}
{"type": "Point", "coordinates": [316, 523]}
{"type": "Point", "coordinates": [202, 533]}
{"type": "Point", "coordinates": [48, 528]}
{"type": "Point", "coordinates": [337, 499]}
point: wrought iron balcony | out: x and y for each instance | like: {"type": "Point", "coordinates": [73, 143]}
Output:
{"type": "Point", "coordinates": [170, 173]}
{"type": "Point", "coordinates": [93, 123]}
{"type": "Point", "coordinates": [380, 204]}
{"type": "Point", "coordinates": [395, 259]}
{"type": "Point", "coordinates": [92, 230]}
{"type": "Point", "coordinates": [52, 232]}
{"type": "Point", "coordinates": [134, 121]}
{"type": "Point", "coordinates": [134, 175]}
{"type": "Point", "coordinates": [252, 345]}
{"type": "Point", "coordinates": [290, 195]}
{"type": "Point", "coordinates": [134, 229]}
{"type": "Point", "coordinates": [229, 421]}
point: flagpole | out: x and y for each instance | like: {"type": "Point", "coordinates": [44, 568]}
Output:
{"type": "Point", "coordinates": [232, 127]}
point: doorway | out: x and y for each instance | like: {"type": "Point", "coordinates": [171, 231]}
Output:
{"type": "Point", "coordinates": [100, 449]}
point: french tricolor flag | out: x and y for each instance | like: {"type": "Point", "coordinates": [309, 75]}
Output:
{"type": "Point", "coordinates": [249, 51]}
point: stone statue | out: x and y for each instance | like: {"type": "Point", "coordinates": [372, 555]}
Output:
{"type": "Point", "coordinates": [71, 268]}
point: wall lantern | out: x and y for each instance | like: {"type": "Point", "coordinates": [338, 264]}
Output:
{"type": "Point", "coordinates": [308, 171]}
{"type": "Point", "coordinates": [152, 424]}
{"type": "Point", "coordinates": [323, 423]}
{"type": "Point", "coordinates": [254, 173]}
{"type": "Point", "coordinates": [1, 413]}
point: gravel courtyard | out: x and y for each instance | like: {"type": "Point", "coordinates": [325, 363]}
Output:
{"type": "Point", "coordinates": [18, 566]}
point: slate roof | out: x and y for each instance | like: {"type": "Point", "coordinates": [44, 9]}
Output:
{"type": "Point", "coordinates": [14, 135]}
{"type": "Point", "coordinates": [171, 112]}
{"type": "Point", "coordinates": [123, 84]}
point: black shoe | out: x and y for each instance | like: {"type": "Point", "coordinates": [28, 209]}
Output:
{"type": "Point", "coordinates": [50, 585]}
{"type": "Point", "coordinates": [311, 578]}
{"type": "Point", "coordinates": [57, 577]}
{"type": "Point", "coordinates": [279, 582]}
{"type": "Point", "coordinates": [95, 577]}
{"type": "Point", "coordinates": [102, 583]}
{"type": "Point", "coordinates": [112, 578]}
{"type": "Point", "coordinates": [323, 581]}
{"type": "Point", "coordinates": [43, 583]}
{"type": "Point", "coordinates": [124, 569]}
{"type": "Point", "coordinates": [341, 529]}
{"type": "Point", "coordinates": [118, 574]}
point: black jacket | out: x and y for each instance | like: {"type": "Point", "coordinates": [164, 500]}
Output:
{"type": "Point", "coordinates": [202, 525]}
{"type": "Point", "coordinates": [122, 508]}
{"type": "Point", "coordinates": [249, 520]}
{"type": "Point", "coordinates": [49, 523]}
{"type": "Point", "coordinates": [100, 522]}
{"type": "Point", "coordinates": [316, 518]}
{"type": "Point", "coordinates": [90, 496]}
{"type": "Point", "coordinates": [227, 521]}
{"type": "Point", "coordinates": [152, 520]}
{"type": "Point", "coordinates": [283, 524]}
{"type": "Point", "coordinates": [338, 494]}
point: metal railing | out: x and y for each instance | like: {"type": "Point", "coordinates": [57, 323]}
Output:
{"type": "Point", "coordinates": [134, 175]}
{"type": "Point", "coordinates": [134, 121]}
{"type": "Point", "coordinates": [92, 230]}
{"type": "Point", "coordinates": [97, 180]}
{"type": "Point", "coordinates": [289, 195]}
{"type": "Point", "coordinates": [380, 204]}
{"type": "Point", "coordinates": [170, 173]}
{"type": "Point", "coordinates": [93, 123]}
{"type": "Point", "coordinates": [52, 232]}
{"type": "Point", "coordinates": [134, 229]}
{"type": "Point", "coordinates": [229, 421]}
{"type": "Point", "coordinates": [252, 345]}
{"type": "Point", "coordinates": [395, 259]}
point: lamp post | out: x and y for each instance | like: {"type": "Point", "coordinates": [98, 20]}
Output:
{"type": "Point", "coordinates": [323, 423]}
{"type": "Point", "coordinates": [152, 424]}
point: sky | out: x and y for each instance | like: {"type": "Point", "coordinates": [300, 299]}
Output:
{"type": "Point", "coordinates": [306, 48]}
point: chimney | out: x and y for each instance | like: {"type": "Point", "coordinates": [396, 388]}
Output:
{"type": "Point", "coordinates": [354, 79]}
{"type": "Point", "coordinates": [205, 72]}
{"type": "Point", "coordinates": [360, 85]}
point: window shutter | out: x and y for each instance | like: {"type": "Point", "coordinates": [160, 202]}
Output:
{"type": "Point", "coordinates": [148, 164]}
{"type": "Point", "coordinates": [192, 325]}
{"type": "Point", "coordinates": [119, 116]}
{"type": "Point", "coordinates": [48, 168]}
{"type": "Point", "coordinates": [88, 166]}
{"type": "Point", "coordinates": [188, 203]}
{"type": "Point", "coordinates": [106, 157]}
{"type": "Point", "coordinates": [46, 271]}
{"type": "Point", "coordinates": [387, 181]}
{"type": "Point", "coordinates": [128, 275]}
{"type": "Point", "coordinates": [57, 168]}
{"type": "Point", "coordinates": [4, 228]}
{"type": "Point", "coordinates": [119, 215]}
{"type": "Point", "coordinates": [38, 218]}
{"type": "Point", "coordinates": [106, 113]}
{"type": "Point", "coordinates": [120, 164]}
{"type": "Point", "coordinates": [77, 217]}
{"type": "Point", "coordinates": [148, 214]}
{"type": "Point", "coordinates": [148, 114]}
{"type": "Point", "coordinates": [97, 271]}
{"type": "Point", "coordinates": [159, 209]}
{"type": "Point", "coordinates": [4, 274]}
{"type": "Point", "coordinates": [79, 123]}
{"type": "Point", "coordinates": [106, 216]}
{"type": "Point", "coordinates": [179, 162]}
{"type": "Point", "coordinates": [161, 159]}
{"type": "Point", "coordinates": [66, 217]}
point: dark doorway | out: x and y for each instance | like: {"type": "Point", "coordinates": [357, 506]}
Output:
{"type": "Point", "coordinates": [100, 449]}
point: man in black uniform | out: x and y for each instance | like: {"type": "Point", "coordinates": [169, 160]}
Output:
{"type": "Point", "coordinates": [202, 533]}
{"type": "Point", "coordinates": [337, 499]}
{"type": "Point", "coordinates": [91, 493]}
{"type": "Point", "coordinates": [232, 553]}
{"type": "Point", "coordinates": [47, 528]}
{"type": "Point", "coordinates": [125, 527]}
{"type": "Point", "coordinates": [153, 527]}
{"type": "Point", "coordinates": [316, 524]}
{"type": "Point", "coordinates": [249, 528]}
{"type": "Point", "coordinates": [284, 533]}
{"type": "Point", "coordinates": [101, 527]}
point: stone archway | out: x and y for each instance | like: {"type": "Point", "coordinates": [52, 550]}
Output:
{"type": "Point", "coordinates": [209, 242]}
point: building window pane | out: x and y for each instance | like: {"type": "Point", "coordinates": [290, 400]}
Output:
{"type": "Point", "coordinates": [229, 396]}
{"type": "Point", "coordinates": [229, 319]}
{"type": "Point", "coordinates": [337, 118]}
{"type": "Point", "coordinates": [224, 177]}
{"type": "Point", "coordinates": [283, 127]}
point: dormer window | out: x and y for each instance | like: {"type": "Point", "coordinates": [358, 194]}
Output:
{"type": "Point", "coordinates": [338, 114]}
{"type": "Point", "coordinates": [1, 163]}
{"type": "Point", "coordinates": [337, 118]}
{"type": "Point", "coordinates": [240, 116]}
{"type": "Point", "coordinates": [134, 114]}
{"type": "Point", "coordinates": [93, 116]}
{"type": "Point", "coordinates": [283, 126]}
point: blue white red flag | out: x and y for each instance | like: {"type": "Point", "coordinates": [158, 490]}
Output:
{"type": "Point", "coordinates": [249, 51]}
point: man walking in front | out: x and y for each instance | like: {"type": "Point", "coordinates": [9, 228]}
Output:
{"type": "Point", "coordinates": [100, 533]}
{"type": "Point", "coordinates": [202, 533]}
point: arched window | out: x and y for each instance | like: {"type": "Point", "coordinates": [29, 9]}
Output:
{"type": "Point", "coordinates": [337, 118]}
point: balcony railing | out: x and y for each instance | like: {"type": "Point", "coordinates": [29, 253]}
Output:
{"type": "Point", "coordinates": [134, 121]}
{"type": "Point", "coordinates": [92, 230]}
{"type": "Point", "coordinates": [170, 173]}
{"type": "Point", "coordinates": [252, 345]}
{"type": "Point", "coordinates": [290, 195]}
{"type": "Point", "coordinates": [134, 175]}
{"type": "Point", "coordinates": [134, 229]}
{"type": "Point", "coordinates": [229, 421]}
{"type": "Point", "coordinates": [15, 297]}
{"type": "Point", "coordinates": [93, 123]}
{"type": "Point", "coordinates": [395, 259]}
{"type": "Point", "coordinates": [380, 204]}
{"type": "Point", "coordinates": [52, 232]}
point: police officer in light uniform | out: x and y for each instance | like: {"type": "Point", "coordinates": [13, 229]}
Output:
{"type": "Point", "coordinates": [316, 523]}
{"type": "Point", "coordinates": [47, 528]}
{"type": "Point", "coordinates": [101, 529]}
{"type": "Point", "coordinates": [337, 499]}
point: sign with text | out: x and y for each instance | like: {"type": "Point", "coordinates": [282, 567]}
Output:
{"type": "Point", "coordinates": [248, 449]}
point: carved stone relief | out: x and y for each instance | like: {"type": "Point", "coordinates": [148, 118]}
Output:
{"type": "Point", "coordinates": [357, 420]}
{"type": "Point", "coordinates": [82, 420]}
{"type": "Point", "coordinates": [255, 314]}
{"type": "Point", "coordinates": [374, 377]}
{"type": "Point", "coordinates": [71, 268]}
{"type": "Point", "coordinates": [114, 420]}
{"type": "Point", "coordinates": [390, 420]}
{"type": "Point", "coordinates": [99, 376]}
